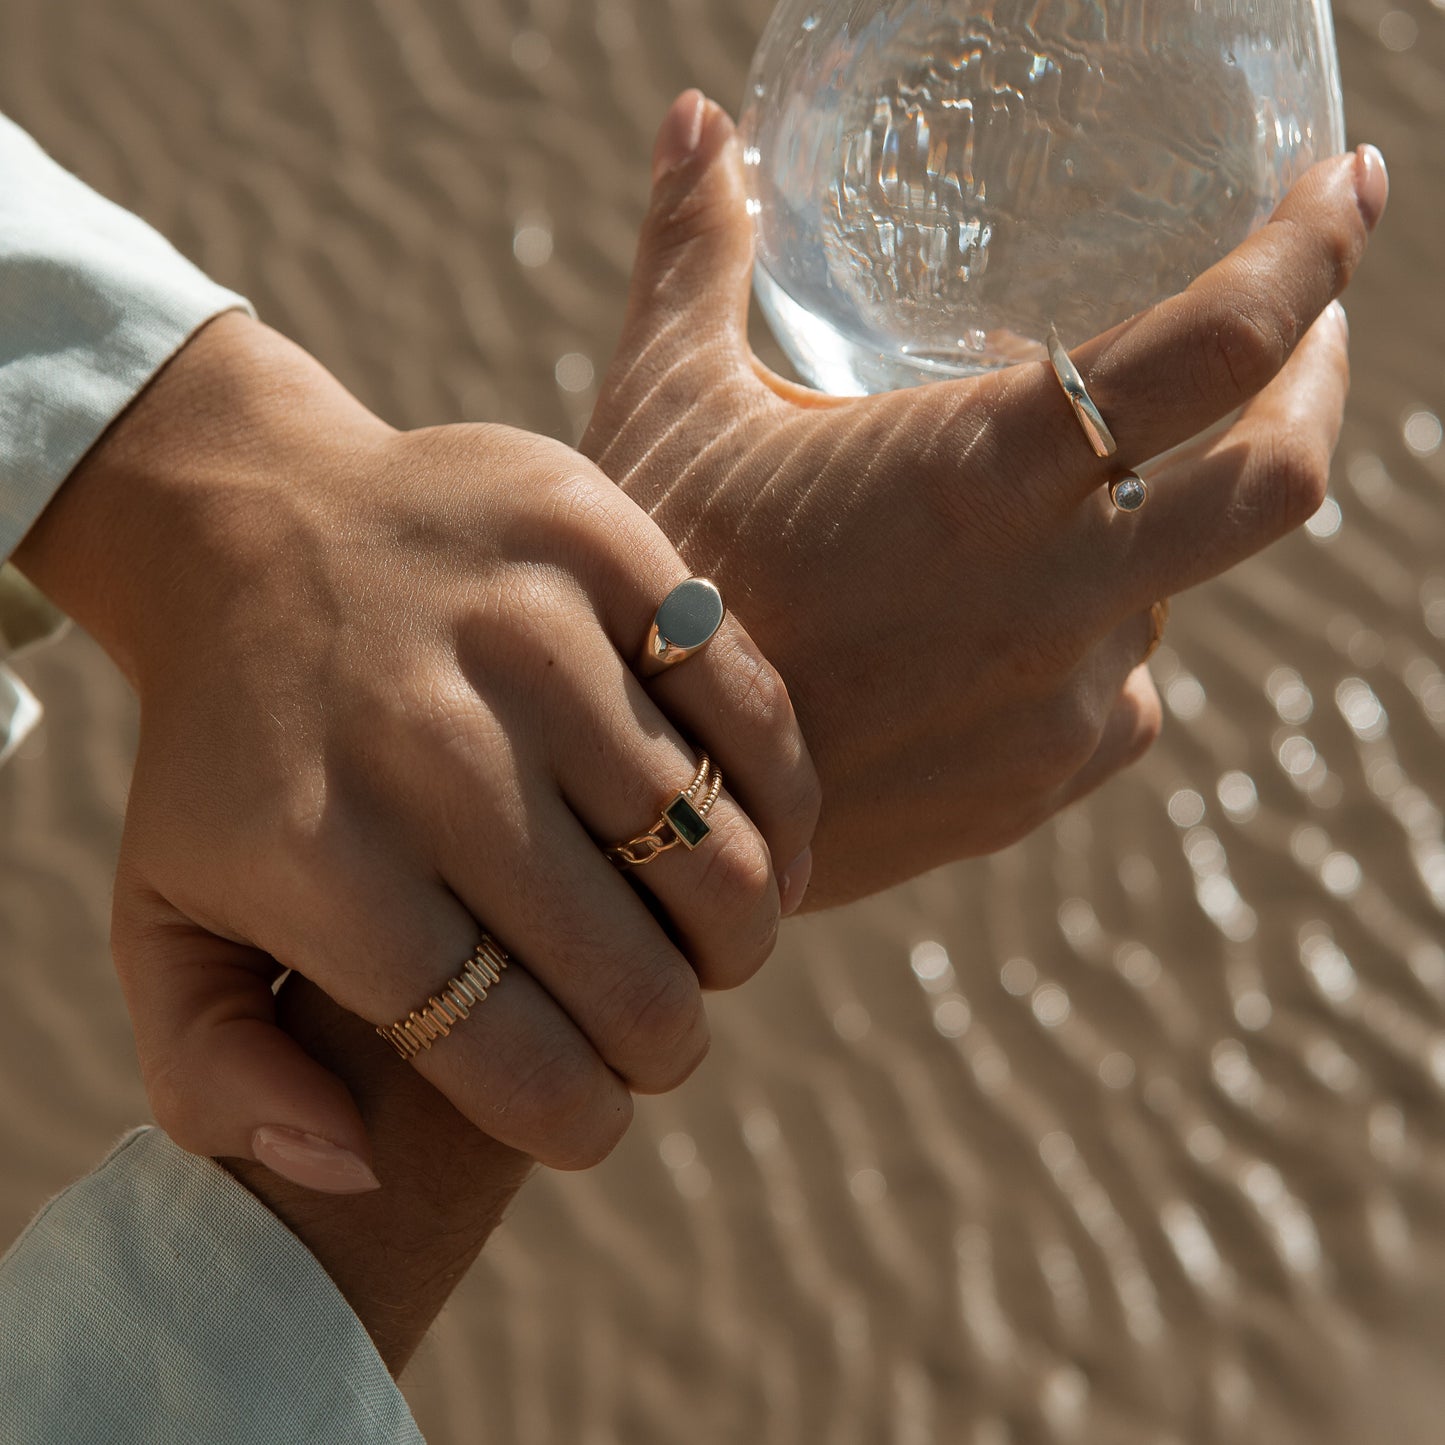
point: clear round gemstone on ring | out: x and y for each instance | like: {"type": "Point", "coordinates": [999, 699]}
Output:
{"type": "Point", "coordinates": [1129, 493]}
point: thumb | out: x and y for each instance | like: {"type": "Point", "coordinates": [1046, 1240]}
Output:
{"type": "Point", "coordinates": [223, 1078]}
{"type": "Point", "coordinates": [695, 256]}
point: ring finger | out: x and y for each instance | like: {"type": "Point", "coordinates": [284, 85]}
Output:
{"type": "Point", "coordinates": [518, 1066]}
{"type": "Point", "coordinates": [1215, 505]}
{"type": "Point", "coordinates": [619, 763]}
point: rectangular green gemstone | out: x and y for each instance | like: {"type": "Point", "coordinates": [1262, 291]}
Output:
{"type": "Point", "coordinates": [686, 821]}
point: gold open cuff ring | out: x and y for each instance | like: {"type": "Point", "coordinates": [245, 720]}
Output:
{"type": "Point", "coordinates": [442, 1012]}
{"type": "Point", "coordinates": [686, 622]}
{"type": "Point", "coordinates": [1101, 439]}
{"type": "Point", "coordinates": [1158, 621]}
{"type": "Point", "coordinates": [683, 820]}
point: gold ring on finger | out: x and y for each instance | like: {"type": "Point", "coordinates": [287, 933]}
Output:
{"type": "Point", "coordinates": [443, 1011]}
{"type": "Point", "coordinates": [1158, 621]}
{"type": "Point", "coordinates": [1101, 439]}
{"type": "Point", "coordinates": [683, 820]}
{"type": "Point", "coordinates": [684, 624]}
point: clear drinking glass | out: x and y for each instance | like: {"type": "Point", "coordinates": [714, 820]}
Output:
{"type": "Point", "coordinates": [935, 182]}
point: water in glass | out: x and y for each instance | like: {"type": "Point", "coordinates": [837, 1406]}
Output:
{"type": "Point", "coordinates": [935, 182]}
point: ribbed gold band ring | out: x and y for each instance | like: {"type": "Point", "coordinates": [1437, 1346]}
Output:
{"type": "Point", "coordinates": [444, 1011]}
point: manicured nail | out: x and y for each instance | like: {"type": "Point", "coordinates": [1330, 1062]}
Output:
{"type": "Point", "coordinates": [311, 1161]}
{"type": "Point", "coordinates": [1372, 184]}
{"type": "Point", "coordinates": [793, 883]}
{"type": "Point", "coordinates": [1341, 320]}
{"type": "Point", "coordinates": [680, 135]}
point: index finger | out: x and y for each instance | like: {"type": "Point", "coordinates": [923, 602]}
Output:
{"type": "Point", "coordinates": [1165, 375]}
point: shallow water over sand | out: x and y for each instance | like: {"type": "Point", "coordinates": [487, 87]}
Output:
{"type": "Point", "coordinates": [1132, 1135]}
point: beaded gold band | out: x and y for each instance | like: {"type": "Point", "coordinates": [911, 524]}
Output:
{"type": "Point", "coordinates": [683, 820]}
{"type": "Point", "coordinates": [442, 1012]}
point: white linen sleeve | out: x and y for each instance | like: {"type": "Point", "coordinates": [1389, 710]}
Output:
{"type": "Point", "coordinates": [92, 303]}
{"type": "Point", "coordinates": [158, 1302]}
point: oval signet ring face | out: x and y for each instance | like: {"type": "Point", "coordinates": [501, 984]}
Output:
{"type": "Point", "coordinates": [686, 622]}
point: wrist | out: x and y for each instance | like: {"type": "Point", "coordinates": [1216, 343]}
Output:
{"type": "Point", "coordinates": [395, 1253]}
{"type": "Point", "coordinates": [182, 496]}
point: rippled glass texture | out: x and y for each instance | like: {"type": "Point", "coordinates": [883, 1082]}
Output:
{"type": "Point", "coordinates": [936, 181]}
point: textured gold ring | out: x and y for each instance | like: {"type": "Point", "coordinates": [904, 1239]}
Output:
{"type": "Point", "coordinates": [1158, 621]}
{"type": "Point", "coordinates": [441, 1013]}
{"type": "Point", "coordinates": [1101, 439]}
{"type": "Point", "coordinates": [683, 820]}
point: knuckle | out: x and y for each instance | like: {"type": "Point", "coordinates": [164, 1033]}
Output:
{"type": "Point", "coordinates": [659, 1016]}
{"type": "Point", "coordinates": [565, 512]}
{"type": "Point", "coordinates": [794, 792]}
{"type": "Point", "coordinates": [1341, 246]}
{"type": "Point", "coordinates": [448, 724]}
{"type": "Point", "coordinates": [731, 963]}
{"type": "Point", "coordinates": [761, 698]}
{"type": "Point", "coordinates": [1240, 354]}
{"type": "Point", "coordinates": [677, 230]}
{"type": "Point", "coordinates": [602, 1135]}
{"type": "Point", "coordinates": [570, 1106]}
{"type": "Point", "coordinates": [576, 507]}
{"type": "Point", "coordinates": [1301, 478]}
{"type": "Point", "coordinates": [1290, 483]}
{"type": "Point", "coordinates": [802, 803]}
{"type": "Point", "coordinates": [809, 803]}
{"type": "Point", "coordinates": [738, 871]}
{"type": "Point", "coordinates": [669, 1066]}
{"type": "Point", "coordinates": [515, 634]}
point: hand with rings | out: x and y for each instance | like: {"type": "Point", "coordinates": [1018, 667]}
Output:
{"type": "Point", "coordinates": [393, 714]}
{"type": "Point", "coordinates": [960, 581]}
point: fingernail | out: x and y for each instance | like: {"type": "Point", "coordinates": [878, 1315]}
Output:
{"type": "Point", "coordinates": [793, 883]}
{"type": "Point", "coordinates": [311, 1161]}
{"type": "Point", "coordinates": [680, 135]}
{"type": "Point", "coordinates": [1372, 184]}
{"type": "Point", "coordinates": [1341, 320]}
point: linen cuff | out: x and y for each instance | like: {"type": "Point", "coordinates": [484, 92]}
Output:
{"type": "Point", "coordinates": [158, 1302]}
{"type": "Point", "coordinates": [93, 302]}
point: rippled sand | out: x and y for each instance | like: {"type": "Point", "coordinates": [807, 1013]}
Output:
{"type": "Point", "coordinates": [1131, 1135]}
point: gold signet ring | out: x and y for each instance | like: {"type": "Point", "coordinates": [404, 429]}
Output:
{"type": "Point", "coordinates": [686, 622]}
{"type": "Point", "coordinates": [1101, 439]}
